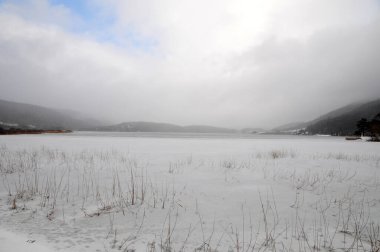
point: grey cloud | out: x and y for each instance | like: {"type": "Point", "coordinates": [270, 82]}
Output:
{"type": "Point", "coordinates": [276, 80]}
{"type": "Point", "coordinates": [302, 79]}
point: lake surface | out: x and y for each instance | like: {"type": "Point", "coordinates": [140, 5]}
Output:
{"type": "Point", "coordinates": [190, 143]}
{"type": "Point", "coordinates": [214, 177]}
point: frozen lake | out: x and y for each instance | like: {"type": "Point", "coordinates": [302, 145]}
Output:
{"type": "Point", "coordinates": [91, 191]}
{"type": "Point", "coordinates": [180, 143]}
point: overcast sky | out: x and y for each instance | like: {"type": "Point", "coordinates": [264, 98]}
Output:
{"type": "Point", "coordinates": [232, 63]}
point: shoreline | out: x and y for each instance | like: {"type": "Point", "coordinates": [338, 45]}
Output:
{"type": "Point", "coordinates": [23, 132]}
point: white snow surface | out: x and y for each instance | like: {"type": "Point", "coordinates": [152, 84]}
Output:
{"type": "Point", "coordinates": [18, 242]}
{"type": "Point", "coordinates": [89, 191]}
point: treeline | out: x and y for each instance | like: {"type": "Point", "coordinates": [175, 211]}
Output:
{"type": "Point", "coordinates": [369, 128]}
{"type": "Point", "coordinates": [16, 131]}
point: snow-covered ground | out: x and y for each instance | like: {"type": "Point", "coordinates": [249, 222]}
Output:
{"type": "Point", "coordinates": [160, 192]}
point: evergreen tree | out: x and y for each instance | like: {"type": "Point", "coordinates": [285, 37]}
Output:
{"type": "Point", "coordinates": [362, 126]}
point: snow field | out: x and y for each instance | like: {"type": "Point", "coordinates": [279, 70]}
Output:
{"type": "Point", "coordinates": [102, 193]}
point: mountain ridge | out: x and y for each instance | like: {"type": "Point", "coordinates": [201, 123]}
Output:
{"type": "Point", "coordinates": [344, 123]}
{"type": "Point", "coordinates": [144, 126]}
{"type": "Point", "coordinates": [340, 121]}
{"type": "Point", "coordinates": [29, 116]}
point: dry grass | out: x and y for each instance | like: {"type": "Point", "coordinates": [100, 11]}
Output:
{"type": "Point", "coordinates": [110, 183]}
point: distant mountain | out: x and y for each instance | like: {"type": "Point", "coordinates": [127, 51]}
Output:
{"type": "Point", "coordinates": [252, 130]}
{"type": "Point", "coordinates": [207, 129]}
{"type": "Point", "coordinates": [343, 121]}
{"type": "Point", "coordinates": [290, 127]}
{"type": "Point", "coordinates": [27, 116]}
{"type": "Point", "coordinates": [162, 127]}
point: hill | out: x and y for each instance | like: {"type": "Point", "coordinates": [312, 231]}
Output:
{"type": "Point", "coordinates": [337, 112]}
{"type": "Point", "coordinates": [290, 127]}
{"type": "Point", "coordinates": [252, 130]}
{"type": "Point", "coordinates": [343, 121]}
{"type": "Point", "coordinates": [27, 116]}
{"type": "Point", "coordinates": [162, 127]}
